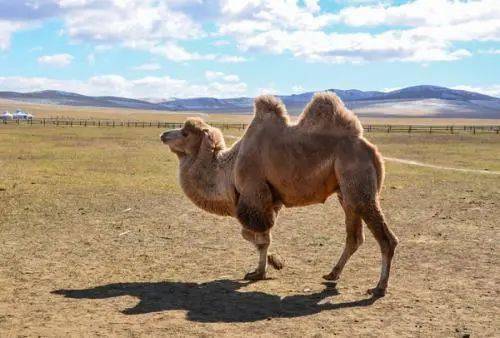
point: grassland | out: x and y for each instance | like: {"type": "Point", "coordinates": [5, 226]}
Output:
{"type": "Point", "coordinates": [60, 111]}
{"type": "Point", "coordinates": [98, 211]}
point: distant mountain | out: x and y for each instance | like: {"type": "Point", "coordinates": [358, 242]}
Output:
{"type": "Point", "coordinates": [433, 92]}
{"type": "Point", "coordinates": [207, 103]}
{"type": "Point", "coordinates": [409, 93]}
{"type": "Point", "coordinates": [439, 101]}
{"type": "Point", "coordinates": [72, 99]}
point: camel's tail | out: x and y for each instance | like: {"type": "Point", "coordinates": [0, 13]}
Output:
{"type": "Point", "coordinates": [327, 112]}
{"type": "Point", "coordinates": [378, 162]}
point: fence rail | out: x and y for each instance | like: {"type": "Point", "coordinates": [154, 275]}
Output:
{"type": "Point", "coordinates": [435, 129]}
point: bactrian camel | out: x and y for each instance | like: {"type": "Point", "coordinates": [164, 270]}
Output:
{"type": "Point", "coordinates": [278, 163]}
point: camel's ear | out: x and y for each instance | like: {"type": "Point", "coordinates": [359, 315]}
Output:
{"type": "Point", "coordinates": [213, 139]}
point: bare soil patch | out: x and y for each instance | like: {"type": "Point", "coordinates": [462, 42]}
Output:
{"type": "Point", "coordinates": [97, 239]}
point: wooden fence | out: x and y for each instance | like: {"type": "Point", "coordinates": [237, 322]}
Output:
{"type": "Point", "coordinates": [452, 129]}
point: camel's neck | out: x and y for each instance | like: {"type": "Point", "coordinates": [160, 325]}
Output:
{"type": "Point", "coordinates": [207, 179]}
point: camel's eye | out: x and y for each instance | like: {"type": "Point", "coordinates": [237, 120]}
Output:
{"type": "Point", "coordinates": [184, 133]}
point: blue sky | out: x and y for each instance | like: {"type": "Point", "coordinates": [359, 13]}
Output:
{"type": "Point", "coordinates": [175, 48]}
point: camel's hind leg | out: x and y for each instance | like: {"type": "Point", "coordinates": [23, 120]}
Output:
{"type": "Point", "coordinates": [374, 218]}
{"type": "Point", "coordinates": [354, 238]}
{"type": "Point", "coordinates": [358, 184]}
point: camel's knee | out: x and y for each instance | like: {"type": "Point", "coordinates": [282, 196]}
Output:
{"type": "Point", "coordinates": [259, 239]}
{"type": "Point", "coordinates": [355, 236]}
{"type": "Point", "coordinates": [394, 241]}
{"type": "Point", "coordinates": [360, 239]}
{"type": "Point", "coordinates": [248, 235]}
{"type": "Point", "coordinates": [354, 240]}
{"type": "Point", "coordinates": [253, 218]}
{"type": "Point", "coordinates": [385, 237]}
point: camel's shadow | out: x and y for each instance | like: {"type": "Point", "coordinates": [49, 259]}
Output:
{"type": "Point", "coordinates": [216, 301]}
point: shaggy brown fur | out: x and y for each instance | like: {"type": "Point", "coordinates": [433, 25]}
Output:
{"type": "Point", "coordinates": [277, 163]}
{"type": "Point", "coordinates": [327, 113]}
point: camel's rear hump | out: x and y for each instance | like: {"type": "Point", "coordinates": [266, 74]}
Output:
{"type": "Point", "coordinates": [326, 113]}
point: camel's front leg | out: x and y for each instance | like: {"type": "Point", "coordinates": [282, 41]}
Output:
{"type": "Point", "coordinates": [261, 242]}
{"type": "Point", "coordinates": [257, 212]}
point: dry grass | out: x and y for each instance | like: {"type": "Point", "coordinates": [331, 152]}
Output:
{"type": "Point", "coordinates": [100, 211]}
{"type": "Point", "coordinates": [46, 110]}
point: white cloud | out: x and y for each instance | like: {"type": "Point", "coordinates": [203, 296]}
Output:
{"type": "Point", "coordinates": [492, 90]}
{"type": "Point", "coordinates": [416, 31]}
{"type": "Point", "coordinates": [57, 60]}
{"type": "Point", "coordinates": [267, 90]}
{"type": "Point", "coordinates": [429, 29]}
{"type": "Point", "coordinates": [312, 5]}
{"type": "Point", "coordinates": [297, 89]}
{"type": "Point", "coordinates": [116, 85]}
{"type": "Point", "coordinates": [131, 23]}
{"type": "Point", "coordinates": [213, 75]}
{"type": "Point", "coordinates": [174, 52]}
{"type": "Point", "coordinates": [353, 47]}
{"type": "Point", "coordinates": [421, 13]}
{"type": "Point", "coordinates": [219, 43]}
{"type": "Point", "coordinates": [148, 25]}
{"type": "Point", "coordinates": [148, 67]}
{"type": "Point", "coordinates": [29, 84]}
{"type": "Point", "coordinates": [231, 59]}
{"type": "Point", "coordinates": [231, 78]}
{"type": "Point", "coordinates": [256, 15]}
{"type": "Point", "coordinates": [7, 28]}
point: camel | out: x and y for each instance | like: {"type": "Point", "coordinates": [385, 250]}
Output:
{"type": "Point", "coordinates": [277, 163]}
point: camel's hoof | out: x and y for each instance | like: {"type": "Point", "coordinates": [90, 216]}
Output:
{"type": "Point", "coordinates": [275, 261]}
{"type": "Point", "coordinates": [255, 275]}
{"type": "Point", "coordinates": [331, 277]}
{"type": "Point", "coordinates": [376, 292]}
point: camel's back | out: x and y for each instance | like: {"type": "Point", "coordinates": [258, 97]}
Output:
{"type": "Point", "coordinates": [297, 160]}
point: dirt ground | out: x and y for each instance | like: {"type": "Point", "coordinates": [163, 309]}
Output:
{"type": "Point", "coordinates": [96, 238]}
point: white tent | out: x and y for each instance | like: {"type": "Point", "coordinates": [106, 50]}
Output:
{"type": "Point", "coordinates": [6, 116]}
{"type": "Point", "coordinates": [20, 115]}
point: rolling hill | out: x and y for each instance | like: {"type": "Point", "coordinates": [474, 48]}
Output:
{"type": "Point", "coordinates": [413, 101]}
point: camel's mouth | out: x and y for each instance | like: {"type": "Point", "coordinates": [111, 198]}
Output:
{"type": "Point", "coordinates": [168, 136]}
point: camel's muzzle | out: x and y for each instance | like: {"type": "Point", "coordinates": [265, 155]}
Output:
{"type": "Point", "coordinates": [169, 136]}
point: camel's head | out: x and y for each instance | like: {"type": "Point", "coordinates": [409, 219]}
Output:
{"type": "Point", "coordinates": [193, 137]}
